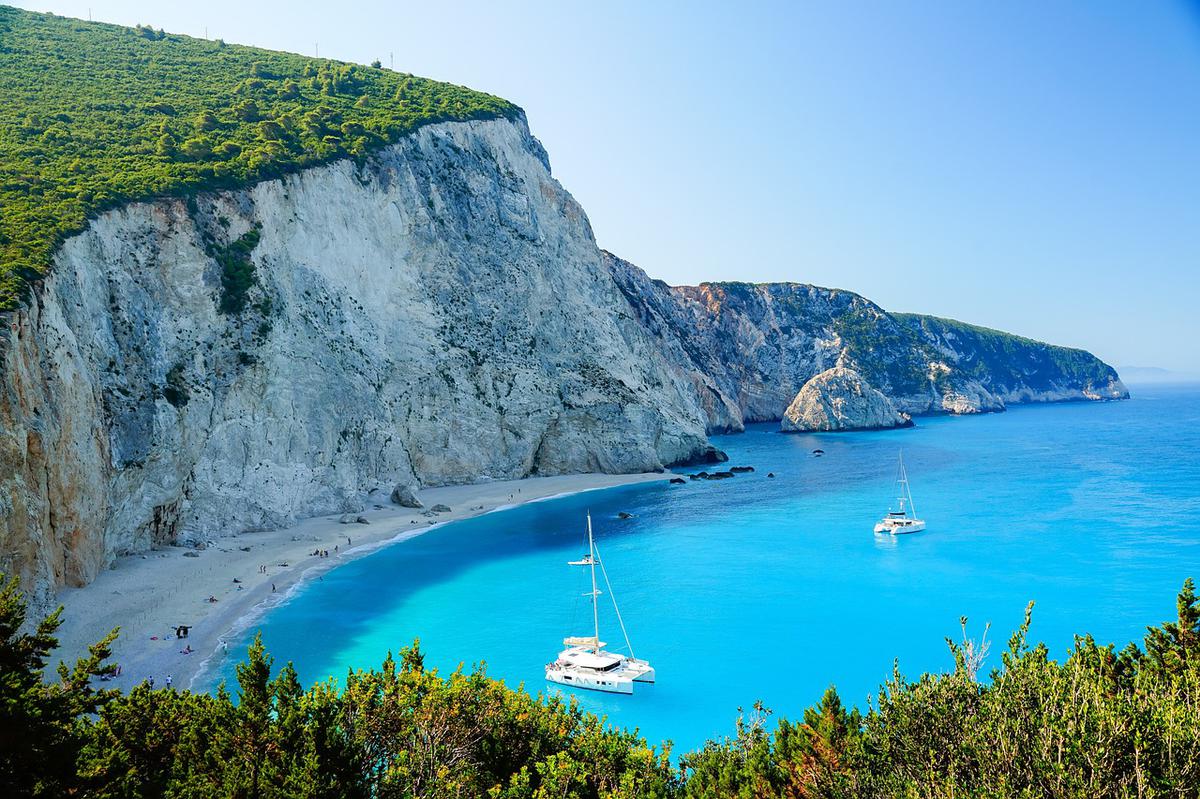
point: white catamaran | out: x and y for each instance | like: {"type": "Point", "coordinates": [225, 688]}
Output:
{"type": "Point", "coordinates": [585, 663]}
{"type": "Point", "coordinates": [904, 519]}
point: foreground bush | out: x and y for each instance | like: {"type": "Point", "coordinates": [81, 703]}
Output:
{"type": "Point", "coordinates": [1099, 724]}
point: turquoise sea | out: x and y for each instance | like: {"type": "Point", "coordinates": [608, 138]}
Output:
{"type": "Point", "coordinates": [773, 589]}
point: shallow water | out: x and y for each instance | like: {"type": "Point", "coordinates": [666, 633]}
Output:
{"type": "Point", "coordinates": [757, 588]}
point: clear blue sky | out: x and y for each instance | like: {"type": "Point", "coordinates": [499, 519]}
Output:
{"type": "Point", "coordinates": [1032, 166]}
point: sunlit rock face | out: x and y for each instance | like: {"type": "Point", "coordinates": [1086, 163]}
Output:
{"type": "Point", "coordinates": [747, 350]}
{"type": "Point", "coordinates": [439, 313]}
{"type": "Point", "coordinates": [839, 399]}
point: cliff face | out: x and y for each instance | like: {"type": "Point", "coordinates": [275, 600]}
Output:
{"type": "Point", "coordinates": [438, 313]}
{"type": "Point", "coordinates": [748, 350]}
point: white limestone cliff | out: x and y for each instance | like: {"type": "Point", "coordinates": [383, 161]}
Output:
{"type": "Point", "coordinates": [746, 350]}
{"type": "Point", "coordinates": [438, 313]}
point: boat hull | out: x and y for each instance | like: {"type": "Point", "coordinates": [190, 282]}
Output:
{"type": "Point", "coordinates": [607, 683]}
{"type": "Point", "coordinates": [640, 670]}
{"type": "Point", "coordinates": [914, 526]}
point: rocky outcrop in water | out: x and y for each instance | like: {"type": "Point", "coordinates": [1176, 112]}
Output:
{"type": "Point", "coordinates": [745, 351]}
{"type": "Point", "coordinates": [438, 313]}
{"type": "Point", "coordinates": [839, 399]}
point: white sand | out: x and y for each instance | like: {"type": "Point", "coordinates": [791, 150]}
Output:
{"type": "Point", "coordinates": [148, 595]}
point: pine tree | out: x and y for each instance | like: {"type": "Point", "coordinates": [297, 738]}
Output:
{"type": "Point", "coordinates": [1173, 645]}
{"type": "Point", "coordinates": [43, 725]}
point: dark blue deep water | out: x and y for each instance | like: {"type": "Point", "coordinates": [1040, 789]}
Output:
{"type": "Point", "coordinates": [774, 589]}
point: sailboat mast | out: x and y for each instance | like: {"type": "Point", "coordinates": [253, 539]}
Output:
{"type": "Point", "coordinates": [595, 593]}
{"type": "Point", "coordinates": [907, 491]}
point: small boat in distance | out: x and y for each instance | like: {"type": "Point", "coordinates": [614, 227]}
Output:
{"type": "Point", "coordinates": [585, 663]}
{"type": "Point", "coordinates": [904, 518]}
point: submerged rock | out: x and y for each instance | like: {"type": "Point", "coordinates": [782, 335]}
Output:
{"type": "Point", "coordinates": [677, 481]}
{"type": "Point", "coordinates": [624, 515]}
{"type": "Point", "coordinates": [840, 399]}
{"type": "Point", "coordinates": [741, 469]}
{"type": "Point", "coordinates": [770, 474]}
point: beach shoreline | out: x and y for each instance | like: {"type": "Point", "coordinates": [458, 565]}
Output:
{"type": "Point", "coordinates": [150, 594]}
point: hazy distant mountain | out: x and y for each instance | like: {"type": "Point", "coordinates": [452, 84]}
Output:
{"type": "Point", "coordinates": [1155, 374]}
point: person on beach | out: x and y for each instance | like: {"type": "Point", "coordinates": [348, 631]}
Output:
{"type": "Point", "coordinates": [168, 680]}
{"type": "Point", "coordinates": [272, 588]}
{"type": "Point", "coordinates": [151, 681]}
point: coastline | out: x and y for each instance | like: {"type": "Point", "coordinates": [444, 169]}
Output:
{"type": "Point", "coordinates": [148, 594]}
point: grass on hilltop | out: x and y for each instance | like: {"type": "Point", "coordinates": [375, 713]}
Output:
{"type": "Point", "coordinates": [95, 115]}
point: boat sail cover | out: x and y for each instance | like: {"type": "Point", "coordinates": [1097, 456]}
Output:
{"type": "Point", "coordinates": [589, 641]}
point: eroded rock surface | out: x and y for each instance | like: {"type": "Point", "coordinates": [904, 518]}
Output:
{"type": "Point", "coordinates": [839, 399]}
{"type": "Point", "coordinates": [439, 313]}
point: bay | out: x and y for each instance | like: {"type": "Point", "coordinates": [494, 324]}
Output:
{"type": "Point", "coordinates": [772, 589]}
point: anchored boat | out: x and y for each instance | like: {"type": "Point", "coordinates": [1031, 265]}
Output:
{"type": "Point", "coordinates": [904, 519]}
{"type": "Point", "coordinates": [585, 663]}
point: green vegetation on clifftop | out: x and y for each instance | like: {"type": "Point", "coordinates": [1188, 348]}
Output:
{"type": "Point", "coordinates": [999, 354]}
{"type": "Point", "coordinates": [95, 115]}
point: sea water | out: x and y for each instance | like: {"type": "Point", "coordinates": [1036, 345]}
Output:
{"type": "Point", "coordinates": [772, 589]}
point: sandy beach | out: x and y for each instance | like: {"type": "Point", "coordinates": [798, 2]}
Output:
{"type": "Point", "coordinates": [149, 595]}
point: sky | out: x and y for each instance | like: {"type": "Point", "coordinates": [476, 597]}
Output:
{"type": "Point", "coordinates": [1031, 166]}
